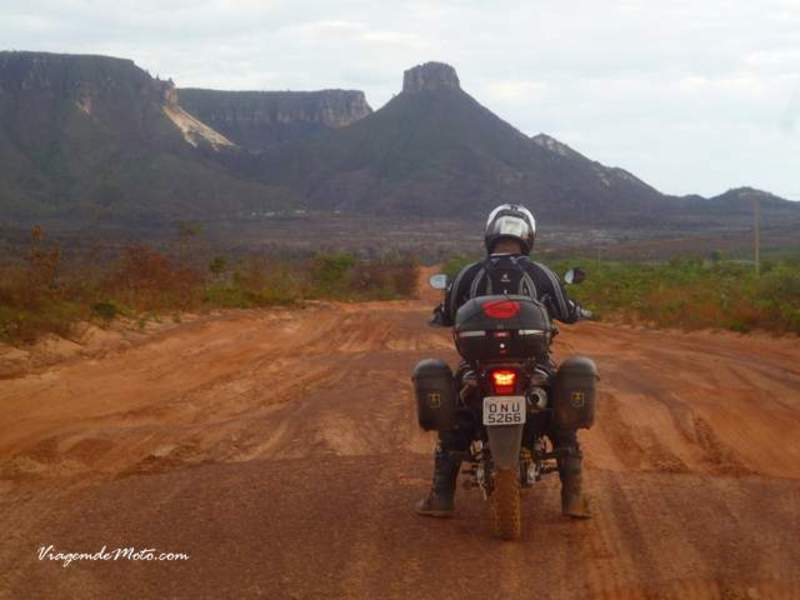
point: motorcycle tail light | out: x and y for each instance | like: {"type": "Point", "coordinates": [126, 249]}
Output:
{"type": "Point", "coordinates": [501, 309]}
{"type": "Point", "coordinates": [504, 381]}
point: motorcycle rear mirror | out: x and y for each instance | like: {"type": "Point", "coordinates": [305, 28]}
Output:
{"type": "Point", "coordinates": [574, 276]}
{"type": "Point", "coordinates": [438, 281]}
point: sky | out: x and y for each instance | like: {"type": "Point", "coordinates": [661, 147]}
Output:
{"type": "Point", "coordinates": [693, 97]}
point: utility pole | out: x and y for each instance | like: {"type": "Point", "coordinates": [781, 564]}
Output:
{"type": "Point", "coordinates": [757, 234]}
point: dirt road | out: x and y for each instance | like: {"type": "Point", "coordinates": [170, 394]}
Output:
{"type": "Point", "coordinates": [280, 451]}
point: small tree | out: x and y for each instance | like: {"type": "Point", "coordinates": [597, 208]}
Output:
{"type": "Point", "coordinates": [218, 265]}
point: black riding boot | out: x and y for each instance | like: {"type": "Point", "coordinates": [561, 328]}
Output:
{"type": "Point", "coordinates": [440, 500]}
{"type": "Point", "coordinates": [573, 502]}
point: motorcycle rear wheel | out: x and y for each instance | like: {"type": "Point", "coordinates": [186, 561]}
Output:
{"type": "Point", "coordinates": [505, 507]}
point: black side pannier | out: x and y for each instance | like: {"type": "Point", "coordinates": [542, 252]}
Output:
{"type": "Point", "coordinates": [435, 389]}
{"type": "Point", "coordinates": [491, 328]}
{"type": "Point", "coordinates": [574, 393]}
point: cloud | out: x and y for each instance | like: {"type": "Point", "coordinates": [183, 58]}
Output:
{"type": "Point", "coordinates": [792, 115]}
{"type": "Point", "coordinates": [518, 90]}
{"type": "Point", "coordinates": [394, 38]}
{"type": "Point", "coordinates": [335, 29]}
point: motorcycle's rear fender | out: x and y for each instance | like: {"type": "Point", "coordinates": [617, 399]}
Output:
{"type": "Point", "coordinates": [505, 442]}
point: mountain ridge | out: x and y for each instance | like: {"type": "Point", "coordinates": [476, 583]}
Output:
{"type": "Point", "coordinates": [97, 138]}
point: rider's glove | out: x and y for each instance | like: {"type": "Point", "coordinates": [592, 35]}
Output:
{"type": "Point", "coordinates": [438, 317]}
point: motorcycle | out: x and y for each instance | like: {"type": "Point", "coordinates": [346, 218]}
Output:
{"type": "Point", "coordinates": [509, 393]}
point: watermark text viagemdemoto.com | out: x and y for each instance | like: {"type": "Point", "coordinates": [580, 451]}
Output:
{"type": "Point", "coordinates": [104, 554]}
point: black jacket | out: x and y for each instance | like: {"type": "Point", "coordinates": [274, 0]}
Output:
{"type": "Point", "coordinates": [507, 274]}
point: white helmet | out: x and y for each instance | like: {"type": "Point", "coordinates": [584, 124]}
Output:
{"type": "Point", "coordinates": [510, 221]}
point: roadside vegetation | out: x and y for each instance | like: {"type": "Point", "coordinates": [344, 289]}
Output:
{"type": "Point", "coordinates": [42, 292]}
{"type": "Point", "coordinates": [689, 292]}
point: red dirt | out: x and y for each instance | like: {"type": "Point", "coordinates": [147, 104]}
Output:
{"type": "Point", "coordinates": [280, 450]}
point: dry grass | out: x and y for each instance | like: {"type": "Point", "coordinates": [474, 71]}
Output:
{"type": "Point", "coordinates": [42, 293]}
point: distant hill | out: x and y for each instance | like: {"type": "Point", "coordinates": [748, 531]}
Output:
{"type": "Point", "coordinates": [258, 120]}
{"type": "Point", "coordinates": [96, 138]}
{"type": "Point", "coordinates": [434, 150]}
{"type": "Point", "coordinates": [741, 199]}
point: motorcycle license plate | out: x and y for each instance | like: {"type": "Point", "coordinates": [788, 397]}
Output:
{"type": "Point", "coordinates": [504, 410]}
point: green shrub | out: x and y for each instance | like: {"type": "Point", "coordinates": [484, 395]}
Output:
{"type": "Point", "coordinates": [218, 265]}
{"type": "Point", "coordinates": [329, 274]}
{"type": "Point", "coordinates": [687, 293]}
{"type": "Point", "coordinates": [105, 310]}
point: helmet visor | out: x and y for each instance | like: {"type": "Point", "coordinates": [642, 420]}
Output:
{"type": "Point", "coordinates": [512, 208]}
{"type": "Point", "coordinates": [512, 226]}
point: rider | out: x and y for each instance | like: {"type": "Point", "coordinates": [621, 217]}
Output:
{"type": "Point", "coordinates": [509, 235]}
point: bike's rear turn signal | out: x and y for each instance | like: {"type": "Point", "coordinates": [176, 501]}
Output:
{"type": "Point", "coordinates": [504, 381]}
{"type": "Point", "coordinates": [501, 309]}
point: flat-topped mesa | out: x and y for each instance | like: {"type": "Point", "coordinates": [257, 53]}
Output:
{"type": "Point", "coordinates": [258, 120]}
{"type": "Point", "coordinates": [329, 108]}
{"type": "Point", "coordinates": [430, 76]}
{"type": "Point", "coordinates": [89, 82]}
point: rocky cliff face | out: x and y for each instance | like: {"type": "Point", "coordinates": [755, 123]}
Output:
{"type": "Point", "coordinates": [65, 73]}
{"type": "Point", "coordinates": [107, 90]}
{"type": "Point", "coordinates": [99, 136]}
{"type": "Point", "coordinates": [194, 131]}
{"type": "Point", "coordinates": [429, 77]}
{"type": "Point", "coordinates": [99, 86]}
{"type": "Point", "coordinates": [258, 120]}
